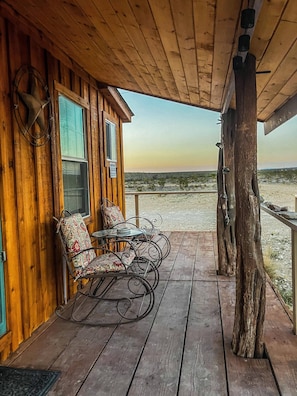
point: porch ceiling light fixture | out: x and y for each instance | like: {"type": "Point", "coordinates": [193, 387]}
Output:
{"type": "Point", "coordinates": [244, 43]}
{"type": "Point", "coordinates": [247, 22]}
{"type": "Point", "coordinates": [247, 18]}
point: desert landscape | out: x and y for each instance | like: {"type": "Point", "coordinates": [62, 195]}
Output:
{"type": "Point", "coordinates": [197, 211]}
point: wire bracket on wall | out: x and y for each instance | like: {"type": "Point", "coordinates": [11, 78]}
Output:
{"type": "Point", "coordinates": [32, 106]}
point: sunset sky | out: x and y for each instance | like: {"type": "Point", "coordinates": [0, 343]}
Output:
{"type": "Point", "coordinates": [167, 137]}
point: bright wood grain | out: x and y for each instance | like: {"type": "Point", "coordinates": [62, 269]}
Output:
{"type": "Point", "coordinates": [160, 67]}
{"type": "Point", "coordinates": [25, 235]}
{"type": "Point", "coordinates": [227, 32]}
{"type": "Point", "coordinates": [183, 20]}
{"type": "Point", "coordinates": [45, 299]}
{"type": "Point", "coordinates": [180, 50]}
{"type": "Point", "coordinates": [283, 40]}
{"type": "Point", "coordinates": [165, 25]}
{"type": "Point", "coordinates": [203, 12]}
{"type": "Point", "coordinates": [33, 182]}
{"type": "Point", "coordinates": [9, 217]}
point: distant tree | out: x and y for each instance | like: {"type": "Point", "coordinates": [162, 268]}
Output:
{"type": "Point", "coordinates": [183, 183]}
{"type": "Point", "coordinates": [152, 186]}
{"type": "Point", "coordinates": [162, 183]}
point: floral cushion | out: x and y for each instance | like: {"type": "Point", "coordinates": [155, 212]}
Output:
{"type": "Point", "coordinates": [108, 262]}
{"type": "Point", "coordinates": [77, 238]}
{"type": "Point", "coordinates": [112, 216]}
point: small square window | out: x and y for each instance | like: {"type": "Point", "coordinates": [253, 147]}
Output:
{"type": "Point", "coordinates": [111, 141]}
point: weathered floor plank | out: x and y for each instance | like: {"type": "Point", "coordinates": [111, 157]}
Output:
{"type": "Point", "coordinates": [167, 265]}
{"type": "Point", "coordinates": [117, 363]}
{"type": "Point", "coordinates": [281, 344]}
{"type": "Point", "coordinates": [185, 259]}
{"type": "Point", "coordinates": [203, 362]}
{"type": "Point", "coordinates": [159, 368]}
{"type": "Point", "coordinates": [205, 263]}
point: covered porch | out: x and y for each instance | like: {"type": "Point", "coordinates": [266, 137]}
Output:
{"type": "Point", "coordinates": [181, 348]}
{"type": "Point", "coordinates": [183, 51]}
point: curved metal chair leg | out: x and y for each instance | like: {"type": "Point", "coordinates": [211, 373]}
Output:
{"type": "Point", "coordinates": [150, 250]}
{"type": "Point", "coordinates": [147, 269]}
{"type": "Point", "coordinates": [135, 305]}
{"type": "Point", "coordinates": [163, 242]}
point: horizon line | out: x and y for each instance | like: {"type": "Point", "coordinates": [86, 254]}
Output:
{"type": "Point", "coordinates": [208, 170]}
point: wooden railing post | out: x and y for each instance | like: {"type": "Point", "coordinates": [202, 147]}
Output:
{"type": "Point", "coordinates": [136, 199]}
{"type": "Point", "coordinates": [294, 278]}
{"type": "Point", "coordinates": [294, 273]}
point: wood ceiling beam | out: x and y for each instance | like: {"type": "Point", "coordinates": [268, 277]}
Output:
{"type": "Point", "coordinates": [283, 114]}
{"type": "Point", "coordinates": [231, 86]}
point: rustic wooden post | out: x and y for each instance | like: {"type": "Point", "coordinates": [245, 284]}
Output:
{"type": "Point", "coordinates": [247, 340]}
{"type": "Point", "coordinates": [226, 197]}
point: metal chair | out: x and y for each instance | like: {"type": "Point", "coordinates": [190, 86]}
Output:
{"type": "Point", "coordinates": [111, 290]}
{"type": "Point", "coordinates": [113, 218]}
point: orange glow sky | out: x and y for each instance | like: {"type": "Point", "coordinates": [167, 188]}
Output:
{"type": "Point", "coordinates": [168, 137]}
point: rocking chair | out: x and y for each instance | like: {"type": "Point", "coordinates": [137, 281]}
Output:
{"type": "Point", "coordinates": [113, 218]}
{"type": "Point", "coordinates": [110, 289]}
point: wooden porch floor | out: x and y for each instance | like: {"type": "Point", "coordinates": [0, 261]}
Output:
{"type": "Point", "coordinates": [181, 348]}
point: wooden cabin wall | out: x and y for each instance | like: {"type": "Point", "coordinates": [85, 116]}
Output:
{"type": "Point", "coordinates": [31, 184]}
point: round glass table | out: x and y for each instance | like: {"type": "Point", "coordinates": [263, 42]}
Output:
{"type": "Point", "coordinates": [117, 233]}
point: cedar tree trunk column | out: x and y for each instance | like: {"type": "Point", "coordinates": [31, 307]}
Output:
{"type": "Point", "coordinates": [247, 338]}
{"type": "Point", "coordinates": [226, 197]}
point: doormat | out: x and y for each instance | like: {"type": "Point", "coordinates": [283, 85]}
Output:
{"type": "Point", "coordinates": [26, 382]}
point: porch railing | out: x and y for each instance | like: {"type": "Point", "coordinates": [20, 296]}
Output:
{"type": "Point", "coordinates": [292, 224]}
{"type": "Point", "coordinates": [137, 194]}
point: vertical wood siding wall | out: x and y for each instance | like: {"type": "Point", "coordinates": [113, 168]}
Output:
{"type": "Point", "coordinates": [30, 185]}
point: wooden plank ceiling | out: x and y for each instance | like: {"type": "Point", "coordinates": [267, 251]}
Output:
{"type": "Point", "coordinates": [180, 50]}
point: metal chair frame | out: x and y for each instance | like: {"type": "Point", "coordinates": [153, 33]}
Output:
{"type": "Point", "coordinates": [126, 288]}
{"type": "Point", "coordinates": [150, 232]}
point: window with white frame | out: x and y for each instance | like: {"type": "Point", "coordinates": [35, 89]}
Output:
{"type": "Point", "coordinates": [111, 141]}
{"type": "Point", "coordinates": [74, 156]}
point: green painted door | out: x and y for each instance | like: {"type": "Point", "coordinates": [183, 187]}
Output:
{"type": "Point", "coordinates": [2, 290]}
